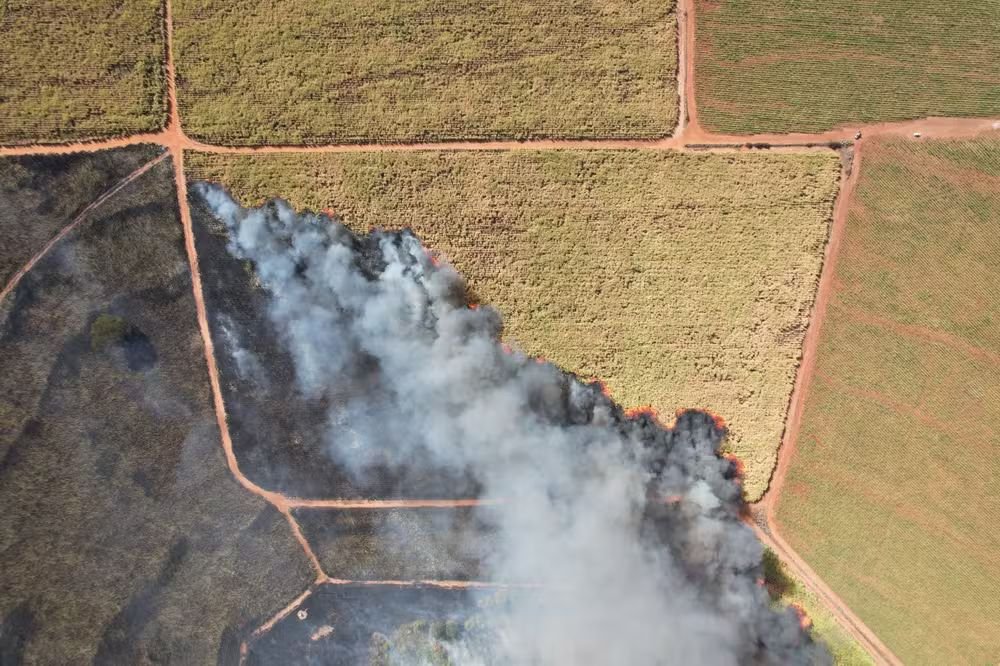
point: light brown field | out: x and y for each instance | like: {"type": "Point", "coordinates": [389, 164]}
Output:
{"type": "Point", "coordinates": [80, 70]}
{"type": "Point", "coordinates": [424, 70]}
{"type": "Point", "coordinates": [892, 494]}
{"type": "Point", "coordinates": [681, 280]}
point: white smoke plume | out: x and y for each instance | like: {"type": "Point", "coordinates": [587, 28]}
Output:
{"type": "Point", "coordinates": [414, 376]}
{"type": "Point", "coordinates": [248, 366]}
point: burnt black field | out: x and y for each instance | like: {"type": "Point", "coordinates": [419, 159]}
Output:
{"type": "Point", "coordinates": [124, 538]}
{"type": "Point", "coordinates": [279, 435]}
{"type": "Point", "coordinates": [356, 612]}
{"type": "Point", "coordinates": [40, 194]}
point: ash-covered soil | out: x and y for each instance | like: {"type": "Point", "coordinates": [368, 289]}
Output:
{"type": "Point", "coordinates": [399, 544]}
{"type": "Point", "coordinates": [40, 194]}
{"type": "Point", "coordinates": [337, 623]}
{"type": "Point", "coordinates": [124, 538]}
{"type": "Point", "coordinates": [280, 436]}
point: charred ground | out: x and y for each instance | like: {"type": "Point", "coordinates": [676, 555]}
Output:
{"type": "Point", "coordinates": [280, 435]}
{"type": "Point", "coordinates": [124, 538]}
{"type": "Point", "coordinates": [441, 544]}
{"type": "Point", "coordinates": [356, 612]}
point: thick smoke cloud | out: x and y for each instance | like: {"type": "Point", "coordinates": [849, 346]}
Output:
{"type": "Point", "coordinates": [634, 529]}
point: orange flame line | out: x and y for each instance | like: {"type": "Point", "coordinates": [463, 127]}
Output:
{"type": "Point", "coordinates": [804, 620]}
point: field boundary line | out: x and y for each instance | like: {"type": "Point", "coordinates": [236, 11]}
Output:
{"type": "Point", "coordinates": [680, 15]}
{"type": "Point", "coordinates": [80, 217]}
{"type": "Point", "coordinates": [690, 140]}
{"type": "Point", "coordinates": [765, 508]}
{"type": "Point", "coordinates": [416, 503]}
{"type": "Point", "coordinates": [175, 141]}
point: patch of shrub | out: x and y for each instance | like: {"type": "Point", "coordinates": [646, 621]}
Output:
{"type": "Point", "coordinates": [777, 582]}
{"type": "Point", "coordinates": [107, 330]}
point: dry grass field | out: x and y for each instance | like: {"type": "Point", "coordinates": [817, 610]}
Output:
{"type": "Point", "coordinates": [785, 65]}
{"type": "Point", "coordinates": [424, 70]}
{"type": "Point", "coordinates": [892, 496]}
{"type": "Point", "coordinates": [681, 280]}
{"type": "Point", "coordinates": [79, 70]}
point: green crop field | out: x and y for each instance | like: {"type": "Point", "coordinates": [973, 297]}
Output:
{"type": "Point", "coordinates": [787, 65]}
{"type": "Point", "coordinates": [80, 70]}
{"type": "Point", "coordinates": [892, 496]}
{"type": "Point", "coordinates": [681, 280]}
{"type": "Point", "coordinates": [253, 72]}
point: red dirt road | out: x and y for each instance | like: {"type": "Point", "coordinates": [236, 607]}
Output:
{"type": "Point", "coordinates": [764, 509]}
{"type": "Point", "coordinates": [810, 344]}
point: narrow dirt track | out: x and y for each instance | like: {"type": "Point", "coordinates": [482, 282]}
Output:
{"type": "Point", "coordinates": [810, 343]}
{"type": "Point", "coordinates": [765, 508]}
{"type": "Point", "coordinates": [175, 141]}
{"type": "Point", "coordinates": [688, 136]}
{"type": "Point", "coordinates": [296, 503]}
{"type": "Point", "coordinates": [118, 187]}
{"type": "Point", "coordinates": [283, 613]}
{"type": "Point", "coordinates": [443, 584]}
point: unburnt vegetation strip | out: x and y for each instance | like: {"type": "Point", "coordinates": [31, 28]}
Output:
{"type": "Point", "coordinates": [681, 280]}
{"type": "Point", "coordinates": [892, 494]}
{"type": "Point", "coordinates": [425, 71]}
{"type": "Point", "coordinates": [124, 537]}
{"type": "Point", "coordinates": [80, 70]}
{"type": "Point", "coordinates": [789, 66]}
